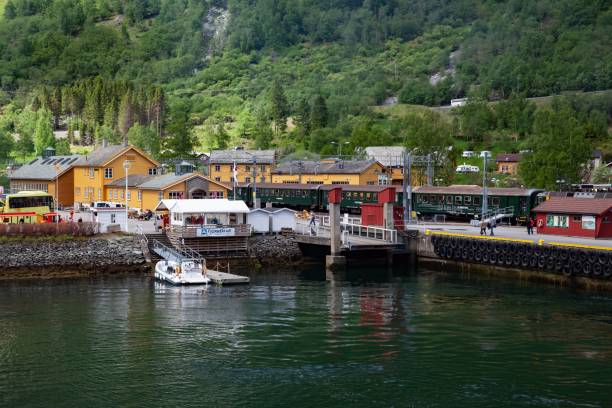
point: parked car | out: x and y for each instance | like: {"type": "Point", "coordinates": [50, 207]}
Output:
{"type": "Point", "coordinates": [466, 168]}
{"type": "Point", "coordinates": [467, 153]}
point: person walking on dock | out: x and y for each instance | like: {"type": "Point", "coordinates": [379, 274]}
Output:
{"type": "Point", "coordinates": [312, 224]}
{"type": "Point", "coordinates": [483, 227]}
{"type": "Point", "coordinates": [530, 225]}
{"type": "Point", "coordinates": [492, 227]}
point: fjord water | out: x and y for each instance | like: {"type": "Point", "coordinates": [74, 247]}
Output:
{"type": "Point", "coordinates": [372, 338]}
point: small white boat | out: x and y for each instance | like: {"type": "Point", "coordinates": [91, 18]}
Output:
{"type": "Point", "coordinates": [185, 273]}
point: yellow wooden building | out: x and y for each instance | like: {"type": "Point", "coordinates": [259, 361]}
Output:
{"type": "Point", "coordinates": [50, 173]}
{"type": "Point", "coordinates": [333, 171]}
{"type": "Point", "coordinates": [145, 192]}
{"type": "Point", "coordinates": [105, 165]}
{"type": "Point", "coordinates": [250, 165]}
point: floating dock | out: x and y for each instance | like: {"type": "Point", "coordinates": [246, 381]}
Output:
{"type": "Point", "coordinates": [224, 278]}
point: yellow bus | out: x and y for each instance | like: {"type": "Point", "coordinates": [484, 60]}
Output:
{"type": "Point", "coordinates": [37, 202]}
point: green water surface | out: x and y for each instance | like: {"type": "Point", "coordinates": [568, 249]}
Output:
{"type": "Point", "coordinates": [371, 338]}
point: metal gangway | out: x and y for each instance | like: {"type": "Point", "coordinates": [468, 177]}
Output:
{"type": "Point", "coordinates": [176, 254]}
{"type": "Point", "coordinates": [350, 232]}
{"type": "Point", "coordinates": [498, 214]}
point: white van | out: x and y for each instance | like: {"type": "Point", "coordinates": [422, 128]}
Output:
{"type": "Point", "coordinates": [466, 168]}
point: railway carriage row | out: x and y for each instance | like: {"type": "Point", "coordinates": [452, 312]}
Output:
{"type": "Point", "coordinates": [460, 202]}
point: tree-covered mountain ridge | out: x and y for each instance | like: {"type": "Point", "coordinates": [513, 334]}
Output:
{"type": "Point", "coordinates": [303, 74]}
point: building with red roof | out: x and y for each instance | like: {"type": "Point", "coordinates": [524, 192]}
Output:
{"type": "Point", "coordinates": [570, 216]}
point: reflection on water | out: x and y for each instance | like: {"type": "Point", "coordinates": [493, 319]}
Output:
{"type": "Point", "coordinates": [367, 339]}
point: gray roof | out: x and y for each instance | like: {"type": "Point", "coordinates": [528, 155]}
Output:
{"type": "Point", "coordinates": [242, 156]}
{"type": "Point", "coordinates": [133, 180]}
{"type": "Point", "coordinates": [100, 156]}
{"type": "Point", "coordinates": [44, 168]}
{"type": "Point", "coordinates": [387, 155]}
{"type": "Point", "coordinates": [315, 167]}
{"type": "Point", "coordinates": [272, 210]}
{"type": "Point", "coordinates": [160, 182]}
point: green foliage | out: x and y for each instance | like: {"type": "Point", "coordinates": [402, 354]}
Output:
{"type": "Point", "coordinates": [279, 107]}
{"type": "Point", "coordinates": [43, 134]}
{"type": "Point", "coordinates": [181, 139]}
{"type": "Point", "coordinates": [145, 138]}
{"type": "Point", "coordinates": [62, 147]}
{"type": "Point", "coordinates": [559, 148]}
{"type": "Point", "coordinates": [6, 144]}
{"type": "Point", "coordinates": [318, 113]}
{"type": "Point", "coordinates": [602, 175]}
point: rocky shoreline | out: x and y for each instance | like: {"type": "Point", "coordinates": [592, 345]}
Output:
{"type": "Point", "coordinates": [32, 258]}
{"type": "Point", "coordinates": [275, 249]}
{"type": "Point", "coordinates": [48, 258]}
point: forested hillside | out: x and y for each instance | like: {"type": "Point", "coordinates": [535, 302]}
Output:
{"type": "Point", "coordinates": [303, 74]}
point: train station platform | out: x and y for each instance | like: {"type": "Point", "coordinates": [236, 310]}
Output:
{"type": "Point", "coordinates": [510, 232]}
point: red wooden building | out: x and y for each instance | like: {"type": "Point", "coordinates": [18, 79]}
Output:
{"type": "Point", "coordinates": [580, 217]}
{"type": "Point", "coordinates": [372, 213]}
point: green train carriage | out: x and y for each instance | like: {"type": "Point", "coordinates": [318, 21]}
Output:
{"type": "Point", "coordinates": [464, 202]}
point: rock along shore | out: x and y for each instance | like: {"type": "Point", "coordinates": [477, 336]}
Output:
{"type": "Point", "coordinates": [45, 258]}
{"type": "Point", "coordinates": [272, 249]}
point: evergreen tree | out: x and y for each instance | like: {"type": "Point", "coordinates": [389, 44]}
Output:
{"type": "Point", "coordinates": [43, 134]}
{"type": "Point", "coordinates": [302, 116]}
{"type": "Point", "coordinates": [126, 113]}
{"type": "Point", "coordinates": [181, 139]}
{"type": "Point", "coordinates": [110, 115]}
{"type": "Point", "coordinates": [62, 147]}
{"type": "Point", "coordinates": [279, 107]}
{"type": "Point", "coordinates": [318, 113]}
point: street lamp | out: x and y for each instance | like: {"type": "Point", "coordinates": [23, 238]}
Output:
{"type": "Point", "coordinates": [126, 166]}
{"type": "Point", "coordinates": [438, 181]}
{"type": "Point", "coordinates": [340, 146]}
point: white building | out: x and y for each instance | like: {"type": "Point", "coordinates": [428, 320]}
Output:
{"type": "Point", "coordinates": [110, 219]}
{"type": "Point", "coordinates": [265, 220]}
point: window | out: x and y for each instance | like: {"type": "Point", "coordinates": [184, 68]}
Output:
{"type": "Point", "coordinates": [262, 168]}
{"type": "Point", "coordinates": [108, 173]}
{"type": "Point", "coordinates": [588, 222]}
{"type": "Point", "coordinates": [129, 195]}
{"type": "Point", "coordinates": [477, 200]}
{"type": "Point", "coordinates": [175, 195]}
{"type": "Point", "coordinates": [467, 200]}
{"type": "Point", "coordinates": [217, 179]}
{"type": "Point", "coordinates": [606, 220]}
{"type": "Point", "coordinates": [160, 195]}
{"type": "Point", "coordinates": [247, 168]}
{"type": "Point", "coordinates": [116, 194]}
{"type": "Point", "coordinates": [153, 171]}
{"type": "Point", "coordinates": [122, 194]}
{"type": "Point", "coordinates": [339, 182]}
{"type": "Point", "coordinates": [77, 191]}
{"type": "Point", "coordinates": [217, 167]}
{"type": "Point", "coordinates": [27, 202]}
{"type": "Point", "coordinates": [370, 183]}
{"type": "Point", "coordinates": [495, 201]}
{"type": "Point", "coordinates": [91, 172]}
{"type": "Point", "coordinates": [458, 199]}
{"type": "Point", "coordinates": [449, 200]}
{"type": "Point", "coordinates": [113, 218]}
{"type": "Point", "coordinates": [577, 218]}
{"type": "Point", "coordinates": [247, 179]}
{"type": "Point", "coordinates": [232, 179]}
{"type": "Point", "coordinates": [263, 180]}
{"type": "Point", "coordinates": [139, 195]}
{"type": "Point", "coordinates": [558, 221]}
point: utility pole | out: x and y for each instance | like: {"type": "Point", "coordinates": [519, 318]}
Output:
{"type": "Point", "coordinates": [484, 189]}
{"type": "Point", "coordinates": [429, 171]}
{"type": "Point", "coordinates": [407, 201]}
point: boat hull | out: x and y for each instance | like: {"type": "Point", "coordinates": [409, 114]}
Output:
{"type": "Point", "coordinates": [165, 272]}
